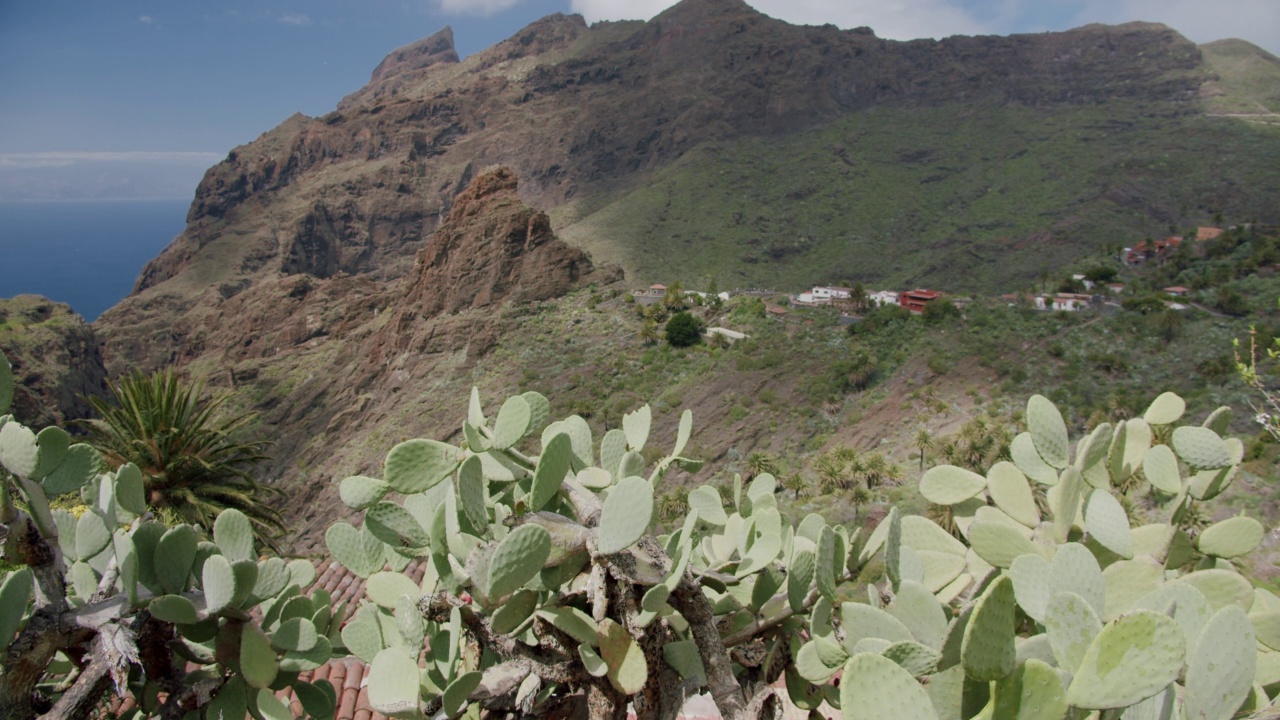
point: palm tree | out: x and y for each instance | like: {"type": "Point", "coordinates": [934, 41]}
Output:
{"type": "Point", "coordinates": [795, 482]}
{"type": "Point", "coordinates": [191, 465]}
{"type": "Point", "coordinates": [760, 463]}
{"type": "Point", "coordinates": [924, 441]}
{"type": "Point", "coordinates": [831, 474]}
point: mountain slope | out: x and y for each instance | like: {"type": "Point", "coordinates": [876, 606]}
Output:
{"type": "Point", "coordinates": [340, 275]}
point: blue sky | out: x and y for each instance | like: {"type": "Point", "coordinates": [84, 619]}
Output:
{"type": "Point", "coordinates": [128, 81]}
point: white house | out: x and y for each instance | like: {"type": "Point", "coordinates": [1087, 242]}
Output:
{"type": "Point", "coordinates": [731, 335]}
{"type": "Point", "coordinates": [1088, 284]}
{"type": "Point", "coordinates": [883, 297]}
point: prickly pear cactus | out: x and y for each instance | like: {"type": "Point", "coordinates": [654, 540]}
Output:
{"type": "Point", "coordinates": [1118, 610]}
{"type": "Point", "coordinates": [547, 583]}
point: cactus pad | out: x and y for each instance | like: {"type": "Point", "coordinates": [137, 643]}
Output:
{"type": "Point", "coordinates": [130, 492]}
{"type": "Point", "coordinates": [1071, 625]}
{"type": "Point", "coordinates": [393, 683]}
{"type": "Point", "coordinates": [1033, 584]}
{"type": "Point", "coordinates": [230, 703]}
{"type": "Point", "coordinates": [998, 543]}
{"type": "Point", "coordinates": [635, 425]}
{"type": "Point", "coordinates": [626, 514]}
{"type": "Point", "coordinates": [1131, 659]}
{"type": "Point", "coordinates": [1221, 588]}
{"type": "Point", "coordinates": [15, 593]}
{"type": "Point", "coordinates": [940, 569]}
{"type": "Point", "coordinates": [1127, 582]}
{"type": "Point", "coordinates": [1076, 570]}
{"type": "Point", "coordinates": [471, 493]}
{"type": "Point", "coordinates": [92, 535]}
{"type": "Point", "coordinates": [1161, 469]}
{"type": "Point", "coordinates": [295, 634]}
{"type": "Point", "coordinates": [1200, 447]}
{"type": "Point", "coordinates": [517, 559]}
{"type": "Point", "coordinates": [1231, 538]}
{"type": "Point", "coordinates": [1048, 431]}
{"type": "Point", "coordinates": [385, 588]}
{"type": "Point", "coordinates": [1023, 453]}
{"type": "Point", "coordinates": [1185, 605]}
{"type": "Point", "coordinates": [625, 658]}
{"type": "Point", "coordinates": [80, 465]}
{"type": "Point", "coordinates": [683, 655]}
{"type": "Point", "coordinates": [175, 553]}
{"type": "Point", "coordinates": [1107, 523]}
{"type": "Point", "coordinates": [917, 659]}
{"type": "Point", "coordinates": [258, 665]}
{"type": "Point", "coordinates": [799, 579]}
{"type": "Point", "coordinates": [1065, 501]}
{"type": "Point", "coordinates": [948, 484]}
{"type": "Point", "coordinates": [1011, 493]}
{"type": "Point", "coordinates": [1130, 444]}
{"type": "Point", "coordinates": [512, 423]}
{"type": "Point", "coordinates": [989, 651]}
{"type": "Point", "coordinates": [219, 582]}
{"type": "Point", "coordinates": [18, 450]}
{"type": "Point", "coordinates": [394, 526]}
{"type": "Point", "coordinates": [233, 533]}
{"type": "Point", "coordinates": [1032, 692]}
{"type": "Point", "coordinates": [921, 533]}
{"type": "Point", "coordinates": [873, 687]}
{"type": "Point", "coordinates": [1165, 409]}
{"type": "Point", "coordinates": [553, 465]}
{"type": "Point", "coordinates": [917, 608]}
{"type": "Point", "coordinates": [417, 465]}
{"type": "Point", "coordinates": [359, 492]}
{"type": "Point", "coordinates": [810, 664]}
{"type": "Point", "coordinates": [863, 621]}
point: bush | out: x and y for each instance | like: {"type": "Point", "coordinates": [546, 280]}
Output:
{"type": "Point", "coordinates": [683, 330]}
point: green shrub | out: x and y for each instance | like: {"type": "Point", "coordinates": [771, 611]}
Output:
{"type": "Point", "coordinates": [683, 330]}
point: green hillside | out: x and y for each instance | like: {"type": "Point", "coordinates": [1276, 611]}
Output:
{"type": "Point", "coordinates": [962, 197]}
{"type": "Point", "coordinates": [1248, 78]}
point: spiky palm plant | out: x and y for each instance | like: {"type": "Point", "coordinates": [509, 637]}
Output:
{"type": "Point", "coordinates": [191, 464]}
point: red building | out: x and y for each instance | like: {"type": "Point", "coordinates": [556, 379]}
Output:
{"type": "Point", "coordinates": [915, 300]}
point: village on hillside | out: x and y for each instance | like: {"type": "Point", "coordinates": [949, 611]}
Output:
{"type": "Point", "coordinates": [854, 302]}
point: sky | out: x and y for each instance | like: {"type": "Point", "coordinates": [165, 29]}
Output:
{"type": "Point", "coordinates": [145, 94]}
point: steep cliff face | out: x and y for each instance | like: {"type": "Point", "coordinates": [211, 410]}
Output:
{"type": "Point", "coordinates": [56, 360]}
{"type": "Point", "coordinates": [492, 249]}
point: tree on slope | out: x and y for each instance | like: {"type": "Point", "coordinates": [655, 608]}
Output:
{"type": "Point", "coordinates": [191, 464]}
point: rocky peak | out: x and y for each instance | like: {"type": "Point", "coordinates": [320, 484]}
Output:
{"type": "Point", "coordinates": [490, 249]}
{"type": "Point", "coordinates": [417, 55]}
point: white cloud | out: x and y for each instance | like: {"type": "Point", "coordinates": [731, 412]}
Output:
{"type": "Point", "coordinates": [483, 8]}
{"type": "Point", "coordinates": [146, 19]}
{"type": "Point", "coordinates": [297, 19]}
{"type": "Point", "coordinates": [66, 159]}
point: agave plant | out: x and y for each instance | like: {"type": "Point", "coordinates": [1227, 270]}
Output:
{"type": "Point", "coordinates": [191, 462]}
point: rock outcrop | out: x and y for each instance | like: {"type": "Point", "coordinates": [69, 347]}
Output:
{"type": "Point", "coordinates": [56, 360]}
{"type": "Point", "coordinates": [492, 249]}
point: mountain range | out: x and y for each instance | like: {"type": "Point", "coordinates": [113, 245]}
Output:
{"type": "Point", "coordinates": [350, 275]}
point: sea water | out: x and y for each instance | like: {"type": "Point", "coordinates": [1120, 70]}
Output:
{"type": "Point", "coordinates": [85, 254]}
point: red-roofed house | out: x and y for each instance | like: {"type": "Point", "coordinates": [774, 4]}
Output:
{"type": "Point", "coordinates": [1177, 291]}
{"type": "Point", "coordinates": [915, 300]}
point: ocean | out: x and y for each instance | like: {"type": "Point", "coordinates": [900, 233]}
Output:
{"type": "Point", "coordinates": [85, 254]}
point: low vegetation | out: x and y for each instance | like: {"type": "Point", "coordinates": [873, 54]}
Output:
{"type": "Point", "coordinates": [550, 582]}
